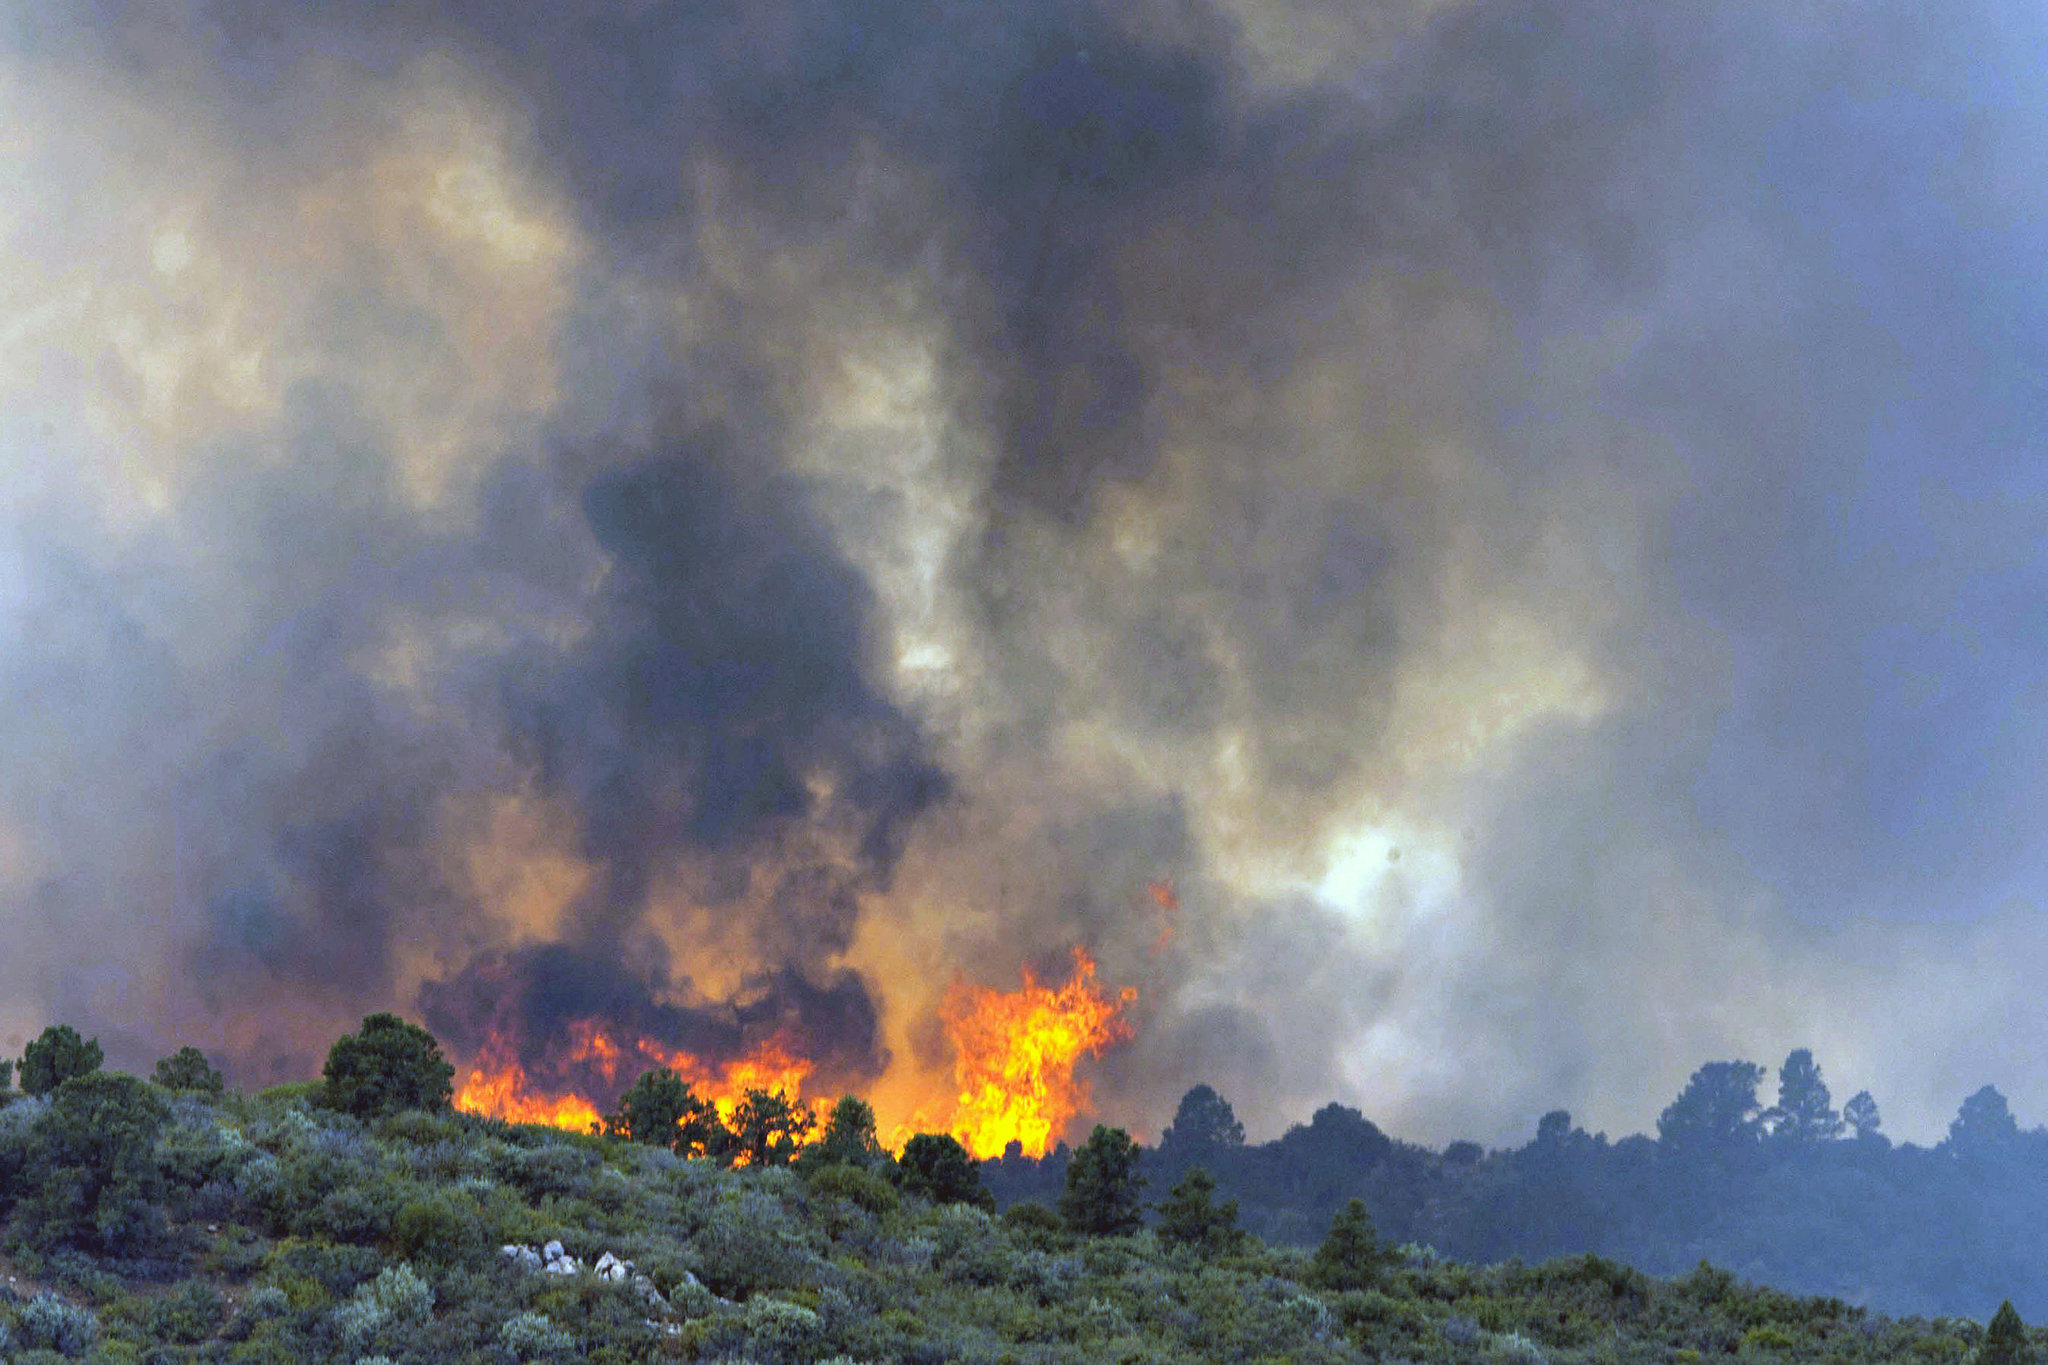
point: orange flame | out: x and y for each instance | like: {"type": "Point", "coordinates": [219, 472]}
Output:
{"type": "Point", "coordinates": [1015, 1053]}
{"type": "Point", "coordinates": [1168, 901]}
{"type": "Point", "coordinates": [498, 1086]}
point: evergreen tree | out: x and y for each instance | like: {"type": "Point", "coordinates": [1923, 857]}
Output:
{"type": "Point", "coordinates": [6, 1081]}
{"type": "Point", "coordinates": [1204, 1119]}
{"type": "Point", "coordinates": [936, 1166]}
{"type": "Point", "coordinates": [1803, 1115]}
{"type": "Point", "coordinates": [768, 1129]}
{"type": "Point", "coordinates": [1716, 1112]}
{"type": "Point", "coordinates": [2005, 1341]}
{"type": "Point", "coordinates": [1983, 1123]}
{"type": "Point", "coordinates": [1190, 1216]}
{"type": "Point", "coordinates": [55, 1056]}
{"type": "Point", "coordinates": [1860, 1113]}
{"type": "Point", "coordinates": [387, 1067]}
{"type": "Point", "coordinates": [1101, 1197]}
{"type": "Point", "coordinates": [188, 1069]}
{"type": "Point", "coordinates": [849, 1137]}
{"type": "Point", "coordinates": [1351, 1256]}
{"type": "Point", "coordinates": [661, 1110]}
{"type": "Point", "coordinates": [92, 1180]}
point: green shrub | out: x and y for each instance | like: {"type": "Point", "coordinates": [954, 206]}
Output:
{"type": "Point", "coordinates": [383, 1308]}
{"type": "Point", "coordinates": [194, 1313]}
{"type": "Point", "coordinates": [750, 1243]}
{"type": "Point", "coordinates": [438, 1230]}
{"type": "Point", "coordinates": [859, 1187]}
{"type": "Point", "coordinates": [48, 1323]}
{"type": "Point", "coordinates": [532, 1336]}
{"type": "Point", "coordinates": [779, 1331]}
{"type": "Point", "coordinates": [1035, 1226]}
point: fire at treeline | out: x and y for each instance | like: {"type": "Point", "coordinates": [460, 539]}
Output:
{"type": "Point", "coordinates": [1799, 1194]}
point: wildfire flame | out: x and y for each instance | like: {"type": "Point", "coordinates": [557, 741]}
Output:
{"type": "Point", "coordinates": [1015, 1053]}
{"type": "Point", "coordinates": [497, 1085]}
{"type": "Point", "coordinates": [1168, 901]}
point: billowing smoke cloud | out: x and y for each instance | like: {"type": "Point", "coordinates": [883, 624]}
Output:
{"type": "Point", "coordinates": [738, 515]}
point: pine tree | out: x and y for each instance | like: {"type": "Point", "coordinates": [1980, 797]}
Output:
{"type": "Point", "coordinates": [1803, 1114]}
{"type": "Point", "coordinates": [1101, 1197]}
{"type": "Point", "coordinates": [1190, 1216]}
{"type": "Point", "coordinates": [1351, 1256]}
{"type": "Point", "coordinates": [2005, 1341]}
{"type": "Point", "coordinates": [1204, 1119]}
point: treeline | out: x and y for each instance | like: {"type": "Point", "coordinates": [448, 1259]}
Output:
{"type": "Point", "coordinates": [1796, 1193]}
{"type": "Point", "coordinates": [359, 1219]}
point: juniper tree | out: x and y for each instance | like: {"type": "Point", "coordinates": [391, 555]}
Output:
{"type": "Point", "coordinates": [188, 1069]}
{"type": "Point", "coordinates": [661, 1110]}
{"type": "Point", "coordinates": [768, 1128]}
{"type": "Point", "coordinates": [936, 1166]}
{"type": "Point", "coordinates": [56, 1055]}
{"type": "Point", "coordinates": [387, 1067]}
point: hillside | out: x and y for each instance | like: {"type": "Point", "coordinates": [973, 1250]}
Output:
{"type": "Point", "coordinates": [192, 1227]}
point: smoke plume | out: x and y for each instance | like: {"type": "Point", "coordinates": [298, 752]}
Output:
{"type": "Point", "coordinates": [735, 516]}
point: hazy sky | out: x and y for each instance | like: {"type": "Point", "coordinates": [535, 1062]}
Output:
{"type": "Point", "coordinates": [1529, 513]}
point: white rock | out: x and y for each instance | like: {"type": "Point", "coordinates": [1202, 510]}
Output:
{"type": "Point", "coordinates": [567, 1265]}
{"type": "Point", "coordinates": [526, 1256]}
{"type": "Point", "coordinates": [552, 1251]}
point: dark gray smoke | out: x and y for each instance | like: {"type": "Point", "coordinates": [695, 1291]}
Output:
{"type": "Point", "coordinates": [1524, 510]}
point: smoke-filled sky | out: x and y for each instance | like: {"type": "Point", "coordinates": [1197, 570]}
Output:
{"type": "Point", "coordinates": [737, 515]}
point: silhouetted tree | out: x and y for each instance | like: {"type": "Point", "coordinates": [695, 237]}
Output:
{"type": "Point", "coordinates": [1860, 1113]}
{"type": "Point", "coordinates": [769, 1129]}
{"type": "Point", "coordinates": [663, 1111]}
{"type": "Point", "coordinates": [2005, 1341]}
{"type": "Point", "coordinates": [1716, 1112]}
{"type": "Point", "coordinates": [56, 1055]}
{"type": "Point", "coordinates": [6, 1081]}
{"type": "Point", "coordinates": [1204, 1119]}
{"type": "Point", "coordinates": [1101, 1197]}
{"type": "Point", "coordinates": [1190, 1216]}
{"type": "Point", "coordinates": [1351, 1256]}
{"type": "Point", "coordinates": [1803, 1115]}
{"type": "Point", "coordinates": [849, 1137]}
{"type": "Point", "coordinates": [1983, 1123]}
{"type": "Point", "coordinates": [385, 1068]}
{"type": "Point", "coordinates": [1554, 1129]}
{"type": "Point", "coordinates": [187, 1069]}
{"type": "Point", "coordinates": [936, 1166]}
{"type": "Point", "coordinates": [1464, 1153]}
